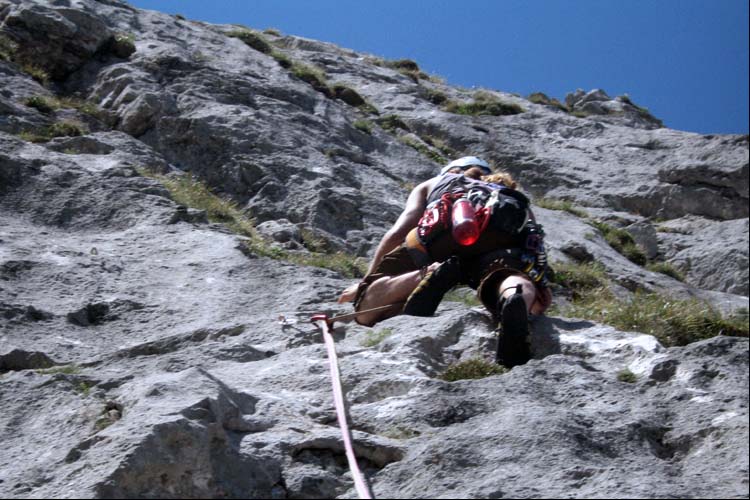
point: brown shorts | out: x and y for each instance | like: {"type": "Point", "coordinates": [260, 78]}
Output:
{"type": "Point", "coordinates": [483, 273]}
{"type": "Point", "coordinates": [394, 263]}
{"type": "Point", "coordinates": [492, 275]}
{"type": "Point", "coordinates": [498, 270]}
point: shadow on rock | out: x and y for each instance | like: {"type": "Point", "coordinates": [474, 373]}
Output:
{"type": "Point", "coordinates": [102, 312]}
{"type": "Point", "coordinates": [545, 337]}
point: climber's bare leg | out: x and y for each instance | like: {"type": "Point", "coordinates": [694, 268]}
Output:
{"type": "Point", "coordinates": [388, 290]}
{"type": "Point", "coordinates": [508, 288]}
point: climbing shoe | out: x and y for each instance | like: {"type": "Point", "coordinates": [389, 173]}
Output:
{"type": "Point", "coordinates": [426, 297]}
{"type": "Point", "coordinates": [513, 342]}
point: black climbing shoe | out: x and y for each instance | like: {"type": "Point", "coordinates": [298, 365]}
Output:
{"type": "Point", "coordinates": [513, 343]}
{"type": "Point", "coordinates": [426, 297]}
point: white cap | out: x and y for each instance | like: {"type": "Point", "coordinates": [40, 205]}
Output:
{"type": "Point", "coordinates": [466, 162]}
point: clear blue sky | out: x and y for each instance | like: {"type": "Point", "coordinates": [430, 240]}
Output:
{"type": "Point", "coordinates": [684, 60]}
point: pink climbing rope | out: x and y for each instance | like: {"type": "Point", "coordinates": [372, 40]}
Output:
{"type": "Point", "coordinates": [338, 399]}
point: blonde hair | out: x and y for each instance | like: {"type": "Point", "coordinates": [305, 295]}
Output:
{"type": "Point", "coordinates": [501, 178]}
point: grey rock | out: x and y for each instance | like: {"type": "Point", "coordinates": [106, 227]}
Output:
{"type": "Point", "coordinates": [664, 370]}
{"type": "Point", "coordinates": [91, 314]}
{"type": "Point", "coordinates": [139, 116]}
{"type": "Point", "coordinates": [280, 230]}
{"type": "Point", "coordinates": [80, 145]}
{"type": "Point", "coordinates": [60, 39]}
{"type": "Point", "coordinates": [101, 312]}
{"type": "Point", "coordinates": [580, 99]}
{"type": "Point", "coordinates": [713, 255]}
{"type": "Point", "coordinates": [188, 384]}
{"type": "Point", "coordinates": [592, 107]}
{"type": "Point", "coordinates": [17, 313]}
{"type": "Point", "coordinates": [572, 234]}
{"type": "Point", "coordinates": [191, 215]}
{"type": "Point", "coordinates": [572, 98]}
{"type": "Point", "coordinates": [18, 359]}
{"type": "Point", "coordinates": [593, 96]}
{"type": "Point", "coordinates": [597, 105]}
{"type": "Point", "coordinates": [645, 236]}
{"type": "Point", "coordinates": [577, 252]}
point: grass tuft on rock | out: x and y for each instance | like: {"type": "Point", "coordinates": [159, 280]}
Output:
{"type": "Point", "coordinates": [36, 72]}
{"type": "Point", "coordinates": [47, 105]}
{"type": "Point", "coordinates": [9, 51]}
{"type": "Point", "coordinates": [440, 145]}
{"type": "Point", "coordinates": [65, 128]}
{"type": "Point", "coordinates": [463, 295]}
{"type": "Point", "coordinates": [666, 268]}
{"type": "Point", "coordinates": [373, 338]}
{"type": "Point", "coordinates": [561, 205]}
{"type": "Point", "coordinates": [580, 278]}
{"type": "Point", "coordinates": [312, 75]}
{"type": "Point", "coordinates": [363, 126]}
{"type": "Point", "coordinates": [102, 423]}
{"type": "Point", "coordinates": [40, 103]}
{"type": "Point", "coordinates": [622, 241]}
{"type": "Point", "coordinates": [123, 45]}
{"type": "Point", "coordinates": [423, 148]}
{"type": "Point", "coordinates": [406, 67]}
{"type": "Point", "coordinates": [484, 104]}
{"type": "Point", "coordinates": [252, 40]}
{"type": "Point", "coordinates": [472, 369]}
{"type": "Point", "coordinates": [542, 98]}
{"type": "Point", "coordinates": [8, 48]}
{"type": "Point", "coordinates": [282, 59]}
{"type": "Point", "coordinates": [71, 369]}
{"type": "Point", "coordinates": [191, 192]}
{"type": "Point", "coordinates": [627, 376]}
{"type": "Point", "coordinates": [392, 123]}
{"type": "Point", "coordinates": [674, 322]}
{"type": "Point", "coordinates": [619, 239]}
{"type": "Point", "coordinates": [435, 96]}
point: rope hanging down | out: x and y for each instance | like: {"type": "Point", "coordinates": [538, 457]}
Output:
{"type": "Point", "coordinates": [338, 398]}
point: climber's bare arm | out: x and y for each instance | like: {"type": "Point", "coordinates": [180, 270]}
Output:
{"type": "Point", "coordinates": [408, 219]}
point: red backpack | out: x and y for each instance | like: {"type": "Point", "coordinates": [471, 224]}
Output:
{"type": "Point", "coordinates": [495, 207]}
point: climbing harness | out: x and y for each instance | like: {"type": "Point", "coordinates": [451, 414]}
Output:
{"type": "Point", "coordinates": [323, 322]}
{"type": "Point", "coordinates": [535, 255]}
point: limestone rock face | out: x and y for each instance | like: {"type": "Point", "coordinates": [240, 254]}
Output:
{"type": "Point", "coordinates": [59, 39]}
{"type": "Point", "coordinates": [710, 253]}
{"type": "Point", "coordinates": [141, 348]}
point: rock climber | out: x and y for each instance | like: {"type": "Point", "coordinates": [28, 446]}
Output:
{"type": "Point", "coordinates": [418, 260]}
